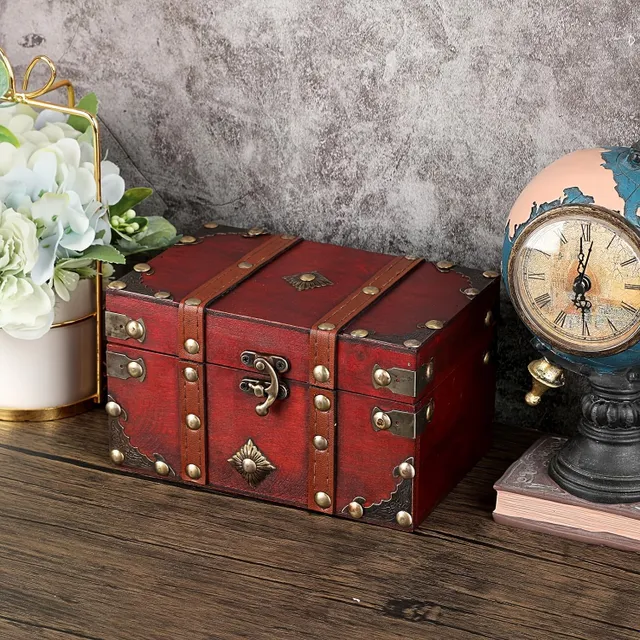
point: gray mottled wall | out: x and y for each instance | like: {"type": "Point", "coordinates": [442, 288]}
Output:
{"type": "Point", "coordinates": [395, 125]}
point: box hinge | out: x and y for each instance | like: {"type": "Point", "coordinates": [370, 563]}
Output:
{"type": "Point", "coordinates": [121, 366]}
{"type": "Point", "coordinates": [403, 382]}
{"type": "Point", "coordinates": [122, 327]}
{"type": "Point", "coordinates": [402, 423]}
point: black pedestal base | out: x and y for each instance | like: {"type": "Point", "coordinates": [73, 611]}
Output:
{"type": "Point", "coordinates": [601, 463]}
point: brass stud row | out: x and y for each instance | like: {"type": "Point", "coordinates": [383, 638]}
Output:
{"type": "Point", "coordinates": [142, 267]}
{"type": "Point", "coordinates": [191, 346]}
{"type": "Point", "coordinates": [117, 285]}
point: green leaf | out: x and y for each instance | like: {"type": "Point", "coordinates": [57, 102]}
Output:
{"type": "Point", "coordinates": [130, 199]}
{"type": "Point", "coordinates": [4, 79]}
{"type": "Point", "coordinates": [104, 253]}
{"type": "Point", "coordinates": [7, 136]}
{"type": "Point", "coordinates": [87, 103]}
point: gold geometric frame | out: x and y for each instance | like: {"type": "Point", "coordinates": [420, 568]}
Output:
{"type": "Point", "coordinates": [31, 98]}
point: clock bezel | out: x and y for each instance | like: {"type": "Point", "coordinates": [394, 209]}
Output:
{"type": "Point", "coordinates": [624, 228]}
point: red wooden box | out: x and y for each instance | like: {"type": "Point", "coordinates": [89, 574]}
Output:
{"type": "Point", "coordinates": [337, 380]}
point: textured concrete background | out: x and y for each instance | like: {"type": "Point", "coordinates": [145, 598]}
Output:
{"type": "Point", "coordinates": [406, 126]}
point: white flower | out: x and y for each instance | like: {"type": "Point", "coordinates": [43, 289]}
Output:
{"type": "Point", "coordinates": [18, 244]}
{"type": "Point", "coordinates": [26, 309]}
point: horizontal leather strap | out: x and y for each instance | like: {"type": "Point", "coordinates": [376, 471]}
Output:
{"type": "Point", "coordinates": [322, 397]}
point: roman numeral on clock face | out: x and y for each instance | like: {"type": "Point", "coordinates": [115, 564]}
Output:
{"type": "Point", "coordinates": [586, 231]}
{"type": "Point", "coordinates": [633, 287]}
{"type": "Point", "coordinates": [536, 276]}
{"type": "Point", "coordinates": [628, 307]}
{"type": "Point", "coordinates": [560, 318]}
{"type": "Point", "coordinates": [585, 327]}
{"type": "Point", "coordinates": [626, 263]}
{"type": "Point", "coordinates": [561, 235]}
{"type": "Point", "coordinates": [612, 326]}
{"type": "Point", "coordinates": [543, 300]}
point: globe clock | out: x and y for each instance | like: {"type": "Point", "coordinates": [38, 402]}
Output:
{"type": "Point", "coordinates": [571, 264]}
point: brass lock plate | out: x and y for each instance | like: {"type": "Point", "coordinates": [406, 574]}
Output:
{"type": "Point", "coordinates": [280, 364]}
{"type": "Point", "coordinates": [258, 388]}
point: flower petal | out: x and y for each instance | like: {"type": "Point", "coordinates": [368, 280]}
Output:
{"type": "Point", "coordinates": [112, 188]}
{"type": "Point", "coordinates": [48, 116]}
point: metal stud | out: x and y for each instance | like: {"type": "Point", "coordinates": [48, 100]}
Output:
{"type": "Point", "coordinates": [434, 324]}
{"type": "Point", "coordinates": [249, 465]}
{"type": "Point", "coordinates": [382, 377]}
{"type": "Point", "coordinates": [429, 414]}
{"type": "Point", "coordinates": [193, 422]}
{"type": "Point", "coordinates": [355, 510]}
{"type": "Point", "coordinates": [382, 420]}
{"type": "Point", "coordinates": [428, 374]}
{"type": "Point", "coordinates": [486, 359]}
{"type": "Point", "coordinates": [321, 373]}
{"type": "Point", "coordinates": [162, 295]}
{"type": "Point", "coordinates": [411, 257]}
{"type": "Point", "coordinates": [371, 291]}
{"type": "Point", "coordinates": [411, 344]}
{"type": "Point", "coordinates": [406, 470]}
{"type": "Point", "coordinates": [288, 236]}
{"type": "Point", "coordinates": [193, 471]}
{"type": "Point", "coordinates": [245, 265]}
{"type": "Point", "coordinates": [471, 292]}
{"type": "Point", "coordinates": [256, 231]}
{"type": "Point", "coordinates": [326, 326]}
{"type": "Point", "coordinates": [359, 333]}
{"type": "Point", "coordinates": [307, 277]}
{"type": "Point", "coordinates": [117, 284]}
{"type": "Point", "coordinates": [190, 374]}
{"type": "Point", "coordinates": [187, 240]}
{"type": "Point", "coordinates": [211, 225]}
{"type": "Point", "coordinates": [142, 267]}
{"type": "Point", "coordinates": [192, 302]}
{"type": "Point", "coordinates": [404, 519]}
{"type": "Point", "coordinates": [134, 329]}
{"type": "Point", "coordinates": [320, 443]}
{"type": "Point", "coordinates": [488, 319]}
{"type": "Point", "coordinates": [117, 456]}
{"type": "Point", "coordinates": [490, 274]}
{"type": "Point", "coordinates": [445, 265]}
{"type": "Point", "coordinates": [135, 369]}
{"type": "Point", "coordinates": [113, 409]}
{"type": "Point", "coordinates": [191, 346]}
{"type": "Point", "coordinates": [161, 467]}
{"type": "Point", "coordinates": [322, 499]}
{"type": "Point", "coordinates": [322, 403]}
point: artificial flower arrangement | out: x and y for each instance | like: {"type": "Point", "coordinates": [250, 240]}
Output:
{"type": "Point", "coordinates": [53, 228]}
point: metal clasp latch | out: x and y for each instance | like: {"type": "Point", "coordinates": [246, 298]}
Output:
{"type": "Point", "coordinates": [272, 389]}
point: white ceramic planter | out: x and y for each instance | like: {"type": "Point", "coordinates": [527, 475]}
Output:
{"type": "Point", "coordinates": [54, 376]}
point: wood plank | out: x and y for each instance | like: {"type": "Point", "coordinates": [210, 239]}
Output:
{"type": "Point", "coordinates": [110, 556]}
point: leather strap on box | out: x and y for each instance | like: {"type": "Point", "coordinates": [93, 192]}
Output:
{"type": "Point", "coordinates": [191, 352]}
{"type": "Point", "coordinates": [322, 399]}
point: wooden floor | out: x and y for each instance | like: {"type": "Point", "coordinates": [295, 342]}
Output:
{"type": "Point", "coordinates": [87, 552]}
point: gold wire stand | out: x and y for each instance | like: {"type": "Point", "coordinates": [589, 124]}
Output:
{"type": "Point", "coordinates": [31, 98]}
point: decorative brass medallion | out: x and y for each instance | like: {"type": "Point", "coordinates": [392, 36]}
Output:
{"type": "Point", "coordinates": [251, 464]}
{"type": "Point", "coordinates": [308, 280]}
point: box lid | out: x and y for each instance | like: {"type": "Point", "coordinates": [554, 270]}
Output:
{"type": "Point", "coordinates": [416, 332]}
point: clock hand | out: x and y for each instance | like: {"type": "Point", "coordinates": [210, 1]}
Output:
{"type": "Point", "coordinates": [582, 284]}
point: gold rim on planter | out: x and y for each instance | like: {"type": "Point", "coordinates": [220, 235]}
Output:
{"type": "Point", "coordinates": [50, 413]}
{"type": "Point", "coordinates": [31, 98]}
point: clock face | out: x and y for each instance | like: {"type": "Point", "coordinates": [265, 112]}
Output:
{"type": "Point", "coordinates": [574, 276]}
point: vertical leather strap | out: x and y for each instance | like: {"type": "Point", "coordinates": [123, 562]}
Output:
{"type": "Point", "coordinates": [192, 357]}
{"type": "Point", "coordinates": [322, 376]}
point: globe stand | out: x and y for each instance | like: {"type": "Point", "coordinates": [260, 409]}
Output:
{"type": "Point", "coordinates": [601, 463]}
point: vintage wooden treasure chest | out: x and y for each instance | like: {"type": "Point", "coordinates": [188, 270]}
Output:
{"type": "Point", "coordinates": [333, 379]}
